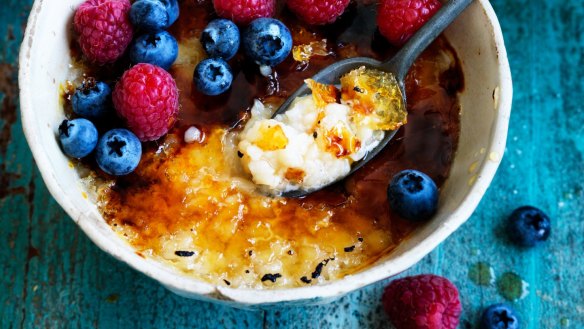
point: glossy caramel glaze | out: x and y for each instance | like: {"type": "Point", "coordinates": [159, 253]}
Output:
{"type": "Point", "coordinates": [190, 205]}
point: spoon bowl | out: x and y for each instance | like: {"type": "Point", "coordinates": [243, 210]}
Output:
{"type": "Point", "coordinates": [331, 76]}
{"type": "Point", "coordinates": [398, 65]}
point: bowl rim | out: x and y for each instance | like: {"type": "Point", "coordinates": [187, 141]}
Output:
{"type": "Point", "coordinates": [194, 288]}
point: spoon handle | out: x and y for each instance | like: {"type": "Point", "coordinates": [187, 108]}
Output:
{"type": "Point", "coordinates": [400, 63]}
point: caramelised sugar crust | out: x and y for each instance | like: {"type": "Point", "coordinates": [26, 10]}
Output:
{"type": "Point", "coordinates": [191, 206]}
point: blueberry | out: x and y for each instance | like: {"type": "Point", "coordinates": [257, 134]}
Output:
{"type": "Point", "coordinates": [154, 15]}
{"type": "Point", "coordinates": [78, 137]}
{"type": "Point", "coordinates": [93, 99]}
{"type": "Point", "coordinates": [528, 226]}
{"type": "Point", "coordinates": [499, 316]}
{"type": "Point", "coordinates": [118, 152]}
{"type": "Point", "coordinates": [159, 48]}
{"type": "Point", "coordinates": [267, 41]}
{"type": "Point", "coordinates": [172, 9]}
{"type": "Point", "coordinates": [413, 195]}
{"type": "Point", "coordinates": [213, 76]}
{"type": "Point", "coordinates": [221, 39]}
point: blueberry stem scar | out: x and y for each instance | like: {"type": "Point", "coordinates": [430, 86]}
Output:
{"type": "Point", "coordinates": [116, 146]}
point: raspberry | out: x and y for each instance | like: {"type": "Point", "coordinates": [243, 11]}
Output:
{"type": "Point", "coordinates": [398, 20]}
{"type": "Point", "coordinates": [104, 29]}
{"type": "Point", "coordinates": [244, 11]}
{"type": "Point", "coordinates": [147, 98]}
{"type": "Point", "coordinates": [318, 12]}
{"type": "Point", "coordinates": [422, 302]}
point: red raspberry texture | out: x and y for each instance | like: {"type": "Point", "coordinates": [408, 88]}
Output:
{"type": "Point", "coordinates": [147, 98]}
{"type": "Point", "coordinates": [242, 12]}
{"type": "Point", "coordinates": [104, 29]}
{"type": "Point", "coordinates": [318, 12]}
{"type": "Point", "coordinates": [398, 20]}
{"type": "Point", "coordinates": [422, 302]}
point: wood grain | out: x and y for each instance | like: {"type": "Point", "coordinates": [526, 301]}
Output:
{"type": "Point", "coordinates": [52, 276]}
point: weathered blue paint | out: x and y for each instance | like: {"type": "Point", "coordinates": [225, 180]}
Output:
{"type": "Point", "coordinates": [52, 276]}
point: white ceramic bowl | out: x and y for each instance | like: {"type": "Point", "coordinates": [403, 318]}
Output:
{"type": "Point", "coordinates": [486, 105]}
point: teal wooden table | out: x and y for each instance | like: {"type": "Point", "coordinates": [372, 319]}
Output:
{"type": "Point", "coordinates": [52, 276]}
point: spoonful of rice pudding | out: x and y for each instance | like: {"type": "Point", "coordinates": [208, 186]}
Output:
{"type": "Point", "coordinates": [337, 121]}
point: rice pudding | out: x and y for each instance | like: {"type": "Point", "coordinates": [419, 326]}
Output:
{"type": "Point", "coordinates": [195, 207]}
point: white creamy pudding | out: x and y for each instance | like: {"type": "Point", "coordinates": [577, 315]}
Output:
{"type": "Point", "coordinates": [315, 142]}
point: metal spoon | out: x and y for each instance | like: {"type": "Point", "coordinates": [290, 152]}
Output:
{"type": "Point", "coordinates": [399, 65]}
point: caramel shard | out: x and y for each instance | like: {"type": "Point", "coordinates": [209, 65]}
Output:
{"type": "Point", "coordinates": [375, 97]}
{"type": "Point", "coordinates": [272, 138]}
{"type": "Point", "coordinates": [303, 53]}
{"type": "Point", "coordinates": [295, 175]}
{"type": "Point", "coordinates": [321, 93]}
{"type": "Point", "coordinates": [340, 141]}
